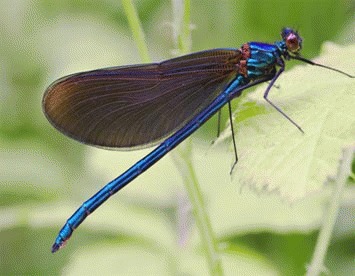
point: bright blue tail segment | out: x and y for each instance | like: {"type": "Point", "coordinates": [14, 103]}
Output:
{"type": "Point", "coordinates": [117, 184]}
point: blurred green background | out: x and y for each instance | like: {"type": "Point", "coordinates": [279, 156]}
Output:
{"type": "Point", "coordinates": [147, 227]}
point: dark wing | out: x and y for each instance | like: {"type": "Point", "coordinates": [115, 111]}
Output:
{"type": "Point", "coordinates": [139, 105]}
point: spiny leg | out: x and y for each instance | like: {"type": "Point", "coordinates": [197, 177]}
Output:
{"type": "Point", "coordinates": [321, 65]}
{"type": "Point", "coordinates": [266, 93]}
{"type": "Point", "coordinates": [219, 122]}
{"type": "Point", "coordinates": [233, 136]}
{"type": "Point", "coordinates": [218, 126]}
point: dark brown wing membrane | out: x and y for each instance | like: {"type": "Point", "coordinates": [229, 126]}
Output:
{"type": "Point", "coordinates": [139, 105]}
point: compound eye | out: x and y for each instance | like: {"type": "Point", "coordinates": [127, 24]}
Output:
{"type": "Point", "coordinates": [293, 43]}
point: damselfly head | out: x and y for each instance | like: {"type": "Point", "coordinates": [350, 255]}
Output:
{"type": "Point", "coordinates": [292, 40]}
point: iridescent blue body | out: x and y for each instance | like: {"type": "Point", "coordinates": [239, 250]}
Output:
{"type": "Point", "coordinates": [113, 107]}
{"type": "Point", "coordinates": [262, 57]}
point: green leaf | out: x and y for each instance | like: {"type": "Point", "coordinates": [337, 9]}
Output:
{"type": "Point", "coordinates": [235, 211]}
{"type": "Point", "coordinates": [273, 155]}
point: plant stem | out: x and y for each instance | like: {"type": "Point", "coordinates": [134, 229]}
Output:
{"type": "Point", "coordinates": [317, 265]}
{"type": "Point", "coordinates": [208, 240]}
{"type": "Point", "coordinates": [136, 28]}
{"type": "Point", "coordinates": [183, 160]}
{"type": "Point", "coordinates": [185, 30]}
{"type": "Point", "coordinates": [352, 176]}
{"type": "Point", "coordinates": [182, 34]}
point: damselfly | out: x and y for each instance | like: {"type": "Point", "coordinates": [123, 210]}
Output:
{"type": "Point", "coordinates": [137, 106]}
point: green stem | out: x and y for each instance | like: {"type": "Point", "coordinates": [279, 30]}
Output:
{"type": "Point", "coordinates": [208, 240]}
{"type": "Point", "coordinates": [185, 34]}
{"type": "Point", "coordinates": [317, 265]}
{"type": "Point", "coordinates": [183, 160]}
{"type": "Point", "coordinates": [136, 27]}
{"type": "Point", "coordinates": [352, 176]}
{"type": "Point", "coordinates": [182, 34]}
